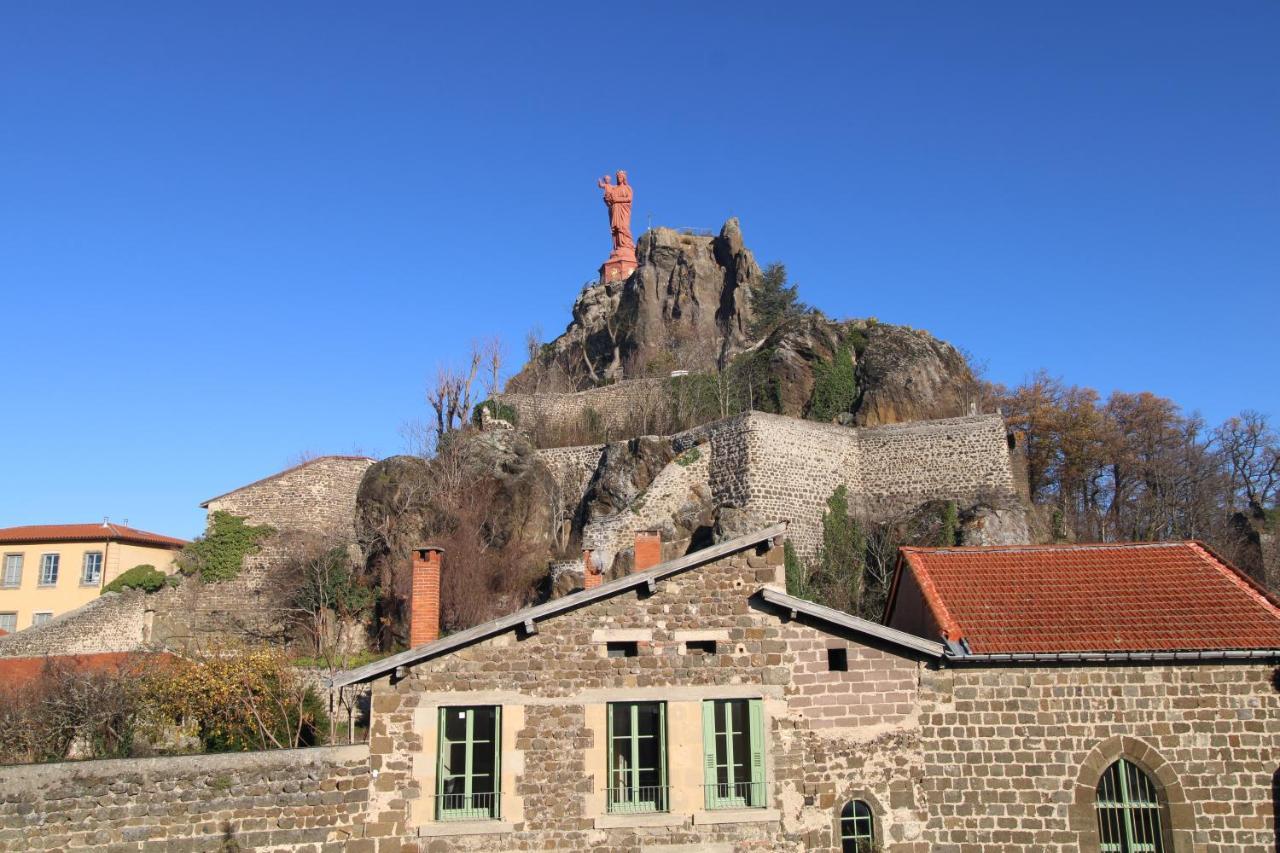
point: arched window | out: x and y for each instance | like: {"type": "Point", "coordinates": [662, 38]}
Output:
{"type": "Point", "coordinates": [857, 828]}
{"type": "Point", "coordinates": [1128, 807]}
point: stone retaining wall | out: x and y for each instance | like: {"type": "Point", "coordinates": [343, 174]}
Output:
{"type": "Point", "coordinates": [619, 408]}
{"type": "Point", "coordinates": [113, 622]}
{"type": "Point", "coordinates": [298, 799]}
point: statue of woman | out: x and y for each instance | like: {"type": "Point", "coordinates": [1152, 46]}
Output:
{"type": "Point", "coordinates": [618, 199]}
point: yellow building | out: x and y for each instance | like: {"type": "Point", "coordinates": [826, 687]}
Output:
{"type": "Point", "coordinates": [48, 569]}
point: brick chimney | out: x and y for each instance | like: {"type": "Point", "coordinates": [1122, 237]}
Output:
{"type": "Point", "coordinates": [592, 575]}
{"type": "Point", "coordinates": [424, 600]}
{"type": "Point", "coordinates": [648, 550]}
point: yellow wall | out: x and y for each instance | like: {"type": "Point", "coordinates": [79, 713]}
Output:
{"type": "Point", "coordinates": [68, 593]}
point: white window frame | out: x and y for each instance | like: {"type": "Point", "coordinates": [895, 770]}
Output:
{"type": "Point", "coordinates": [96, 580]}
{"type": "Point", "coordinates": [44, 568]}
{"type": "Point", "coordinates": [36, 620]}
{"type": "Point", "coordinates": [5, 574]}
{"type": "Point", "coordinates": [12, 621]}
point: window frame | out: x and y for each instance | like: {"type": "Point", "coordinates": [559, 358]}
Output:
{"type": "Point", "coordinates": [1118, 815]}
{"type": "Point", "coordinates": [725, 795]}
{"type": "Point", "coordinates": [14, 627]}
{"type": "Point", "coordinates": [635, 802]}
{"type": "Point", "coordinates": [57, 567]}
{"type": "Point", "coordinates": [20, 557]}
{"type": "Point", "coordinates": [472, 812]}
{"type": "Point", "coordinates": [84, 567]}
{"type": "Point", "coordinates": [35, 615]}
{"type": "Point", "coordinates": [851, 838]}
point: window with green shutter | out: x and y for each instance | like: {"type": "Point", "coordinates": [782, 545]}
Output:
{"type": "Point", "coordinates": [733, 753]}
{"type": "Point", "coordinates": [467, 771]}
{"type": "Point", "coordinates": [637, 740]}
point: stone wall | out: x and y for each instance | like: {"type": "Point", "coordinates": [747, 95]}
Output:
{"type": "Point", "coordinates": [621, 409]}
{"type": "Point", "coordinates": [316, 496]}
{"type": "Point", "coordinates": [300, 799]}
{"type": "Point", "coordinates": [113, 622]}
{"type": "Point", "coordinates": [1012, 755]}
{"type": "Point", "coordinates": [775, 467]}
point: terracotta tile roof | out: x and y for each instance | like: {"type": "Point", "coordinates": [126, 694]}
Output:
{"type": "Point", "coordinates": [16, 672]}
{"type": "Point", "coordinates": [100, 532]}
{"type": "Point", "coordinates": [289, 470]}
{"type": "Point", "coordinates": [1165, 596]}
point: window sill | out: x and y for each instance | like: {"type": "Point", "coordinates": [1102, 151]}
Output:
{"type": "Point", "coordinates": [619, 821]}
{"type": "Point", "coordinates": [46, 586]}
{"type": "Point", "coordinates": [466, 827]}
{"type": "Point", "coordinates": [737, 816]}
{"type": "Point", "coordinates": [90, 584]}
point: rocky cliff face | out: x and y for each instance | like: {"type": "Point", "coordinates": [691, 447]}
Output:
{"type": "Point", "coordinates": [908, 375]}
{"type": "Point", "coordinates": [686, 307]}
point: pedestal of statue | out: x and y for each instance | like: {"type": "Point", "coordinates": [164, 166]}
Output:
{"type": "Point", "coordinates": [621, 264]}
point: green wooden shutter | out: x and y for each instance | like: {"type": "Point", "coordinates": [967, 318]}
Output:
{"type": "Point", "coordinates": [708, 753]}
{"type": "Point", "coordinates": [756, 716]}
{"type": "Point", "coordinates": [495, 810]}
{"type": "Point", "coordinates": [441, 747]}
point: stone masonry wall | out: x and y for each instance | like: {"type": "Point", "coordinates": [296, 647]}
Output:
{"type": "Point", "coordinates": [792, 467]}
{"type": "Point", "coordinates": [619, 407]}
{"type": "Point", "coordinates": [113, 622]}
{"type": "Point", "coordinates": [319, 495]}
{"type": "Point", "coordinates": [299, 799]}
{"type": "Point", "coordinates": [1012, 755]}
{"type": "Point", "coordinates": [775, 467]}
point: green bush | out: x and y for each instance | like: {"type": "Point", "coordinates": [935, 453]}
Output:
{"type": "Point", "coordinates": [501, 411]}
{"type": "Point", "coordinates": [144, 577]}
{"type": "Point", "coordinates": [835, 388]}
{"type": "Point", "coordinates": [690, 456]}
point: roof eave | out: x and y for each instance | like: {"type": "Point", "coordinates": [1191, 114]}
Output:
{"type": "Point", "coordinates": [847, 621]}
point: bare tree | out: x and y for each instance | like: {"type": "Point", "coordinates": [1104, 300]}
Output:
{"type": "Point", "coordinates": [1250, 452]}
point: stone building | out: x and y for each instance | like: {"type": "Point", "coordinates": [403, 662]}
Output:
{"type": "Point", "coordinates": [1072, 698]}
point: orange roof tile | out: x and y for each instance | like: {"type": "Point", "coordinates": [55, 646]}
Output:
{"type": "Point", "coordinates": [16, 672]}
{"type": "Point", "coordinates": [1160, 596]}
{"type": "Point", "coordinates": [103, 532]}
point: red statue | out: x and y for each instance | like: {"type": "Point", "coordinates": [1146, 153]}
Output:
{"type": "Point", "coordinates": [622, 261]}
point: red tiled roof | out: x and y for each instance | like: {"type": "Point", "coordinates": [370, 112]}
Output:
{"type": "Point", "coordinates": [16, 672]}
{"type": "Point", "coordinates": [102, 532]}
{"type": "Point", "coordinates": [288, 470]}
{"type": "Point", "coordinates": [1162, 596]}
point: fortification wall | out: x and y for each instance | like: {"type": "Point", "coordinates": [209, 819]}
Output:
{"type": "Point", "coordinates": [626, 408]}
{"type": "Point", "coordinates": [279, 800]}
{"type": "Point", "coordinates": [572, 467]}
{"type": "Point", "coordinates": [113, 622]}
{"type": "Point", "coordinates": [316, 496]}
{"type": "Point", "coordinates": [960, 458]}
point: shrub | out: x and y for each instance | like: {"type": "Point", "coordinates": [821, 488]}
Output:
{"type": "Point", "coordinates": [835, 387]}
{"type": "Point", "coordinates": [144, 577]}
{"type": "Point", "coordinates": [690, 456]}
{"type": "Point", "coordinates": [773, 300]}
{"type": "Point", "coordinates": [501, 411]}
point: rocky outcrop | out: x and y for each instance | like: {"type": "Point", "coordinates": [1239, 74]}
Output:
{"type": "Point", "coordinates": [486, 496]}
{"type": "Point", "coordinates": [908, 375]}
{"type": "Point", "coordinates": [686, 307]}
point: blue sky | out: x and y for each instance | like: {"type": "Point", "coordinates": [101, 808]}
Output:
{"type": "Point", "coordinates": [232, 233]}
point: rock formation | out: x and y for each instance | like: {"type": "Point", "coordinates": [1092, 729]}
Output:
{"type": "Point", "coordinates": [686, 307]}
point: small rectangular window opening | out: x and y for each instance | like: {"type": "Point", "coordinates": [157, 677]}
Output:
{"type": "Point", "coordinates": [838, 660]}
{"type": "Point", "coordinates": [700, 647]}
{"type": "Point", "coordinates": [623, 648]}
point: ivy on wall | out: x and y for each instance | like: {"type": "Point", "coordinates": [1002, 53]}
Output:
{"type": "Point", "coordinates": [219, 554]}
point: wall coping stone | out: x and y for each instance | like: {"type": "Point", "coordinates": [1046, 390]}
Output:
{"type": "Point", "coordinates": [22, 777]}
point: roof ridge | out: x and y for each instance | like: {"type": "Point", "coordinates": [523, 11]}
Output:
{"type": "Point", "coordinates": [1048, 546]}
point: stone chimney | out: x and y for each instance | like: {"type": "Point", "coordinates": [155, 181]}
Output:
{"type": "Point", "coordinates": [648, 550]}
{"type": "Point", "coordinates": [592, 573]}
{"type": "Point", "coordinates": [424, 600]}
